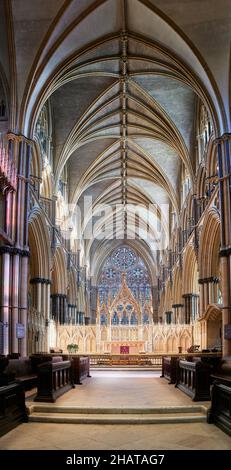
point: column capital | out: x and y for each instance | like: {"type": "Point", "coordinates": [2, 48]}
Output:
{"type": "Point", "coordinates": [19, 138]}
{"type": "Point", "coordinates": [40, 280]}
{"type": "Point", "coordinates": [225, 252]}
{"type": "Point", "coordinates": [206, 280]}
{"type": "Point", "coordinates": [223, 137]}
{"type": "Point", "coordinates": [12, 250]}
{"type": "Point", "coordinates": [61, 296]}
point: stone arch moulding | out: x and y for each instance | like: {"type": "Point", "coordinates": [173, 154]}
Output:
{"type": "Point", "coordinates": [209, 245]}
{"type": "Point", "coordinates": [39, 244]}
{"type": "Point", "coordinates": [59, 273]}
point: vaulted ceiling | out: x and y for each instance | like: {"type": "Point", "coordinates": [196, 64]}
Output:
{"type": "Point", "coordinates": [123, 78]}
{"type": "Point", "coordinates": [123, 116]}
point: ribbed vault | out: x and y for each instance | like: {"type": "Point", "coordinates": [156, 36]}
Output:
{"type": "Point", "coordinates": [123, 84]}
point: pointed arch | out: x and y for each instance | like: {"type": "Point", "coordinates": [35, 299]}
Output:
{"type": "Point", "coordinates": [209, 245]}
{"type": "Point", "coordinates": [72, 290]}
{"type": "Point", "coordinates": [190, 271]}
{"type": "Point", "coordinates": [177, 286]}
{"type": "Point", "coordinates": [59, 272]}
{"type": "Point", "coordinates": [39, 243]}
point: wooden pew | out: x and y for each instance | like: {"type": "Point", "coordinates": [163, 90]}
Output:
{"type": "Point", "coordinates": [54, 379]}
{"type": "Point", "coordinates": [80, 368]}
{"type": "Point", "coordinates": [169, 368]}
{"type": "Point", "coordinates": [220, 411]}
{"type": "Point", "coordinates": [193, 378]}
{"type": "Point", "coordinates": [12, 406]}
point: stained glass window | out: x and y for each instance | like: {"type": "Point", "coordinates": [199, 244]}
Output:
{"type": "Point", "coordinates": [125, 259]}
{"type": "Point", "coordinates": [115, 319]}
{"type": "Point", "coordinates": [145, 318]}
{"type": "Point", "coordinates": [133, 319]}
{"type": "Point", "coordinates": [124, 319]}
{"type": "Point", "coordinates": [42, 131]}
{"type": "Point", "coordinates": [103, 319]}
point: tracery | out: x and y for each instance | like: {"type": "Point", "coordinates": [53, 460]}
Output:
{"type": "Point", "coordinates": [124, 268]}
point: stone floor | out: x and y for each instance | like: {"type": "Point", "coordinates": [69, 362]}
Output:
{"type": "Point", "coordinates": [119, 389]}
{"type": "Point", "coordinates": [124, 389]}
{"type": "Point", "coordinates": [193, 436]}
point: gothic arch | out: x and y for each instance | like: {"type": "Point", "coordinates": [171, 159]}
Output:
{"type": "Point", "coordinates": [38, 281]}
{"type": "Point", "coordinates": [168, 296]}
{"type": "Point", "coordinates": [36, 166]}
{"type": "Point", "coordinates": [190, 272]}
{"type": "Point", "coordinates": [200, 181]}
{"type": "Point", "coordinates": [212, 318]}
{"type": "Point", "coordinates": [210, 245]}
{"type": "Point", "coordinates": [177, 286]}
{"type": "Point", "coordinates": [39, 243]}
{"type": "Point", "coordinates": [72, 289]}
{"type": "Point", "coordinates": [139, 247]}
{"type": "Point", "coordinates": [59, 272]}
{"type": "Point", "coordinates": [47, 183]}
{"type": "Point", "coordinates": [212, 161]}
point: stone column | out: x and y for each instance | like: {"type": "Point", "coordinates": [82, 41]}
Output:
{"type": "Point", "coordinates": [42, 287]}
{"type": "Point", "coordinates": [187, 312]}
{"type": "Point", "coordinates": [47, 289]}
{"type": "Point", "coordinates": [93, 303]}
{"type": "Point", "coordinates": [22, 147]}
{"type": "Point", "coordinates": [72, 314]}
{"type": "Point", "coordinates": [23, 303]}
{"type": "Point", "coordinates": [190, 310]}
{"type": "Point", "coordinates": [59, 308]}
{"type": "Point", "coordinates": [195, 307]}
{"type": "Point", "coordinates": [5, 298]}
{"type": "Point", "coordinates": [177, 309]}
{"type": "Point", "coordinates": [69, 309]}
{"type": "Point", "coordinates": [201, 298]}
{"type": "Point", "coordinates": [15, 302]}
{"type": "Point", "coordinates": [155, 303]}
{"type": "Point", "coordinates": [212, 288]}
{"type": "Point", "coordinates": [224, 165]}
{"type": "Point", "coordinates": [15, 256]}
{"type": "Point", "coordinates": [205, 292]}
{"type": "Point", "coordinates": [168, 317]}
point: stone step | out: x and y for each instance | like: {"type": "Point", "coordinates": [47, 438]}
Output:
{"type": "Point", "coordinates": [45, 408]}
{"type": "Point", "coordinates": [117, 418]}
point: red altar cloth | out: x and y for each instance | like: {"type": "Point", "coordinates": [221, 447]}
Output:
{"type": "Point", "coordinates": [124, 349]}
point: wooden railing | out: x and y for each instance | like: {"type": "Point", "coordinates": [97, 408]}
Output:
{"type": "Point", "coordinates": [220, 412]}
{"type": "Point", "coordinates": [54, 379]}
{"type": "Point", "coordinates": [193, 378]}
{"type": "Point", "coordinates": [147, 360]}
{"type": "Point", "coordinates": [126, 359]}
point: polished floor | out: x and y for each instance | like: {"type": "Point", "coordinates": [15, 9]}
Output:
{"type": "Point", "coordinates": [123, 389]}
{"type": "Point", "coordinates": [119, 389]}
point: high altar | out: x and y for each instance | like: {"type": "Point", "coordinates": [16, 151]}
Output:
{"type": "Point", "coordinates": [124, 347]}
{"type": "Point", "coordinates": [123, 322]}
{"type": "Point", "coordinates": [125, 326]}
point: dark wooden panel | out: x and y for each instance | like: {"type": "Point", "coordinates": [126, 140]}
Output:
{"type": "Point", "coordinates": [12, 407]}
